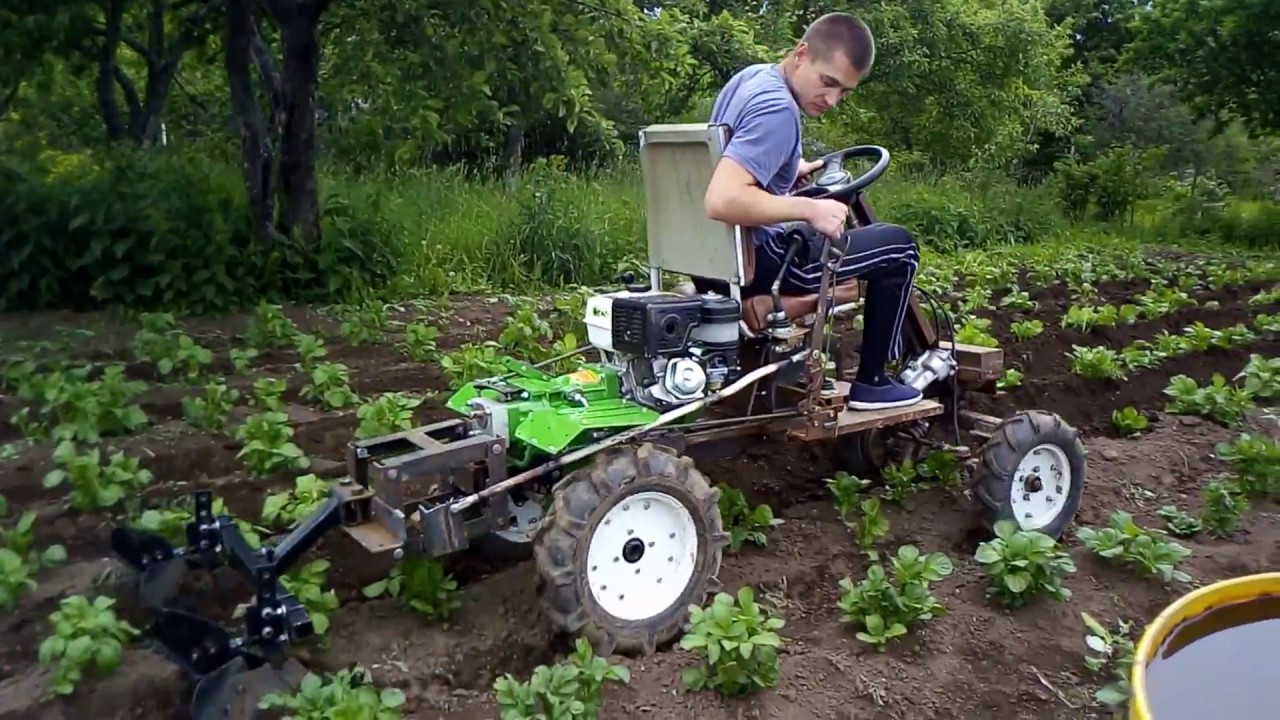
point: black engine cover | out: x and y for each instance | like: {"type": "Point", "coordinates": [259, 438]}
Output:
{"type": "Point", "coordinates": [654, 325]}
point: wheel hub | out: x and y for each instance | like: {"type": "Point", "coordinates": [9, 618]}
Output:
{"type": "Point", "coordinates": [641, 556]}
{"type": "Point", "coordinates": [633, 550]}
{"type": "Point", "coordinates": [1040, 487]}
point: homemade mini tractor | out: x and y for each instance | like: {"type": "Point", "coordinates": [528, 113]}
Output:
{"type": "Point", "coordinates": [591, 472]}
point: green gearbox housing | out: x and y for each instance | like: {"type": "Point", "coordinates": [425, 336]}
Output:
{"type": "Point", "coordinates": [548, 415]}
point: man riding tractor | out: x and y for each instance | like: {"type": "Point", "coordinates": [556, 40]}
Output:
{"type": "Point", "coordinates": [762, 163]}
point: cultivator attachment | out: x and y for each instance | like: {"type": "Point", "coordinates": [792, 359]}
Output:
{"type": "Point", "coordinates": [231, 673]}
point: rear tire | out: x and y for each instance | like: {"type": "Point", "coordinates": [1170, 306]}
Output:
{"type": "Point", "coordinates": [631, 540]}
{"type": "Point", "coordinates": [1031, 471]}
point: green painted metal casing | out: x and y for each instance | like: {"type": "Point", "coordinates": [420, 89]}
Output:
{"type": "Point", "coordinates": [548, 415]}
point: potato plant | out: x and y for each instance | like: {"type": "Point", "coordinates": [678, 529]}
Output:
{"type": "Point", "coordinates": [1123, 540]}
{"type": "Point", "coordinates": [886, 607]}
{"type": "Point", "coordinates": [568, 690]}
{"type": "Point", "coordinates": [738, 642]}
{"type": "Point", "coordinates": [742, 522]}
{"type": "Point", "coordinates": [1023, 564]}
{"type": "Point", "coordinates": [87, 637]}
{"type": "Point", "coordinates": [348, 693]}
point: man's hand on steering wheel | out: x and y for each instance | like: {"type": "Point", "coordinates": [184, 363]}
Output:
{"type": "Point", "coordinates": [807, 168]}
{"type": "Point", "coordinates": [828, 216]}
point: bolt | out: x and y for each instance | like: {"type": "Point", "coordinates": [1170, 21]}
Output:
{"type": "Point", "coordinates": [398, 554]}
{"type": "Point", "coordinates": [497, 448]}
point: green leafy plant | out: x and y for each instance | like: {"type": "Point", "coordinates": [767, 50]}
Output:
{"type": "Point", "coordinates": [94, 485]}
{"type": "Point", "coordinates": [209, 412]}
{"type": "Point", "coordinates": [1024, 330]}
{"type": "Point", "coordinates": [886, 608]}
{"type": "Point", "coordinates": [348, 693]}
{"type": "Point", "coordinates": [267, 445]}
{"type": "Point", "coordinates": [1023, 564]}
{"type": "Point", "coordinates": [1114, 654]}
{"type": "Point", "coordinates": [311, 350]}
{"type": "Point", "coordinates": [1217, 401]}
{"type": "Point", "coordinates": [307, 584]}
{"type": "Point", "coordinates": [385, 414]}
{"type": "Point", "coordinates": [268, 394]}
{"type": "Point", "coordinates": [738, 642]}
{"type": "Point", "coordinates": [1255, 462]}
{"type": "Point", "coordinates": [290, 508]}
{"type": "Point", "coordinates": [420, 343]}
{"type": "Point", "coordinates": [1180, 524]}
{"type": "Point", "coordinates": [1224, 503]}
{"type": "Point", "coordinates": [270, 327]}
{"type": "Point", "coordinates": [86, 637]}
{"type": "Point", "coordinates": [419, 583]}
{"type": "Point", "coordinates": [19, 559]}
{"type": "Point", "coordinates": [1129, 422]}
{"type": "Point", "coordinates": [565, 691]}
{"type": "Point", "coordinates": [1141, 548]}
{"type": "Point", "coordinates": [331, 385]}
{"type": "Point", "coordinates": [743, 523]}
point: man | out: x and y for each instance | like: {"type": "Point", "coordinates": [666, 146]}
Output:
{"type": "Point", "coordinates": [762, 105]}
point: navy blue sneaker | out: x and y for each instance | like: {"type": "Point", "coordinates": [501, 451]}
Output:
{"type": "Point", "coordinates": [892, 394]}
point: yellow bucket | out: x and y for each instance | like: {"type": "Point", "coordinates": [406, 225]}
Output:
{"type": "Point", "coordinates": [1191, 605]}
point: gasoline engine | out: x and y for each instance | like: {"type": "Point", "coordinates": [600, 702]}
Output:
{"type": "Point", "coordinates": [669, 349]}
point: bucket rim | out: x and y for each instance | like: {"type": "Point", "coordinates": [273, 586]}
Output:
{"type": "Point", "coordinates": [1189, 605]}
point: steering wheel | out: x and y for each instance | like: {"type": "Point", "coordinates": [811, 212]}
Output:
{"type": "Point", "coordinates": [835, 183]}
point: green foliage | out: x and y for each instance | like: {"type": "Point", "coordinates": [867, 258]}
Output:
{"type": "Point", "coordinates": [1214, 53]}
{"type": "Point", "coordinates": [1023, 564]}
{"type": "Point", "coordinates": [346, 695]}
{"type": "Point", "coordinates": [1123, 540]}
{"type": "Point", "coordinates": [738, 641]}
{"type": "Point", "coordinates": [884, 607]}
{"type": "Point", "coordinates": [1114, 655]}
{"type": "Point", "coordinates": [743, 523]}
{"type": "Point", "coordinates": [88, 230]}
{"type": "Point", "coordinates": [94, 485]}
{"type": "Point", "coordinates": [19, 559]}
{"type": "Point", "coordinates": [419, 583]}
{"type": "Point", "coordinates": [564, 691]}
{"type": "Point", "coordinates": [86, 637]}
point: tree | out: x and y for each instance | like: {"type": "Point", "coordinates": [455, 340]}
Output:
{"type": "Point", "coordinates": [278, 153]}
{"type": "Point", "coordinates": [1214, 52]}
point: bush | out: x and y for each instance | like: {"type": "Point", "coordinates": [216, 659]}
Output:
{"type": "Point", "coordinates": [162, 230]}
{"type": "Point", "coordinates": [948, 215]}
{"type": "Point", "coordinates": [566, 231]}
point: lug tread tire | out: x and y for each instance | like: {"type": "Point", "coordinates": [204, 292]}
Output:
{"type": "Point", "coordinates": [581, 500]}
{"type": "Point", "coordinates": [1000, 455]}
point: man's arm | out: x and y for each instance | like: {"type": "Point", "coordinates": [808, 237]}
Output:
{"type": "Point", "coordinates": [761, 144]}
{"type": "Point", "coordinates": [734, 196]}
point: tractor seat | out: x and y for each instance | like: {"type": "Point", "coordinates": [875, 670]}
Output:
{"type": "Point", "coordinates": [756, 308]}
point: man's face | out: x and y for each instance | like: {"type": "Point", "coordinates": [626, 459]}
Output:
{"type": "Point", "coordinates": [821, 83]}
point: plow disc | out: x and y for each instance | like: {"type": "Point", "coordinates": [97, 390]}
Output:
{"type": "Point", "coordinates": [233, 691]}
{"type": "Point", "coordinates": [230, 674]}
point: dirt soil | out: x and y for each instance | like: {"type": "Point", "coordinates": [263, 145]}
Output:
{"type": "Point", "coordinates": [979, 660]}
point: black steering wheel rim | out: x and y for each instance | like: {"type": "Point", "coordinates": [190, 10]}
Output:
{"type": "Point", "coordinates": [839, 184]}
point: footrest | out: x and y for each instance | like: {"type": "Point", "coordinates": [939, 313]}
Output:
{"type": "Point", "coordinates": [857, 420]}
{"type": "Point", "coordinates": [836, 422]}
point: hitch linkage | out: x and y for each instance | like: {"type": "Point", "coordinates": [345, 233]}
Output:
{"type": "Point", "coordinates": [274, 618]}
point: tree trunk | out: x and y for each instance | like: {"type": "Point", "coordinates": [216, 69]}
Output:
{"type": "Point", "coordinates": [257, 163]}
{"type": "Point", "coordinates": [108, 108]}
{"type": "Point", "coordinates": [300, 199]}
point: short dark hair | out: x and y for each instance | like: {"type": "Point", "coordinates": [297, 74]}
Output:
{"type": "Point", "coordinates": [844, 33]}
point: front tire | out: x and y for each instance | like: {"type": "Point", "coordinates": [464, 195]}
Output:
{"type": "Point", "coordinates": [1031, 471]}
{"type": "Point", "coordinates": [631, 540]}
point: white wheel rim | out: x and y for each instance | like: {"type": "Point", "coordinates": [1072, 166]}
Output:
{"type": "Point", "coordinates": [1040, 487]}
{"type": "Point", "coordinates": [641, 556]}
{"type": "Point", "coordinates": [524, 518]}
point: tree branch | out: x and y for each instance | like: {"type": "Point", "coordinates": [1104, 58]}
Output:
{"type": "Point", "coordinates": [193, 27]}
{"type": "Point", "coordinates": [133, 44]}
{"type": "Point", "coordinates": [155, 29]}
{"type": "Point", "coordinates": [130, 90]}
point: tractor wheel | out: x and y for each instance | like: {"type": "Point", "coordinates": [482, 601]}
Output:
{"type": "Point", "coordinates": [867, 453]}
{"type": "Point", "coordinates": [1032, 471]}
{"type": "Point", "coordinates": [631, 540]}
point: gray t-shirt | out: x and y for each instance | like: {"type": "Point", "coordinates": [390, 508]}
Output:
{"type": "Point", "coordinates": [764, 122]}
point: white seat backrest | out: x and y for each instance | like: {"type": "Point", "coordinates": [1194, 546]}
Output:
{"type": "Point", "coordinates": [677, 162]}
